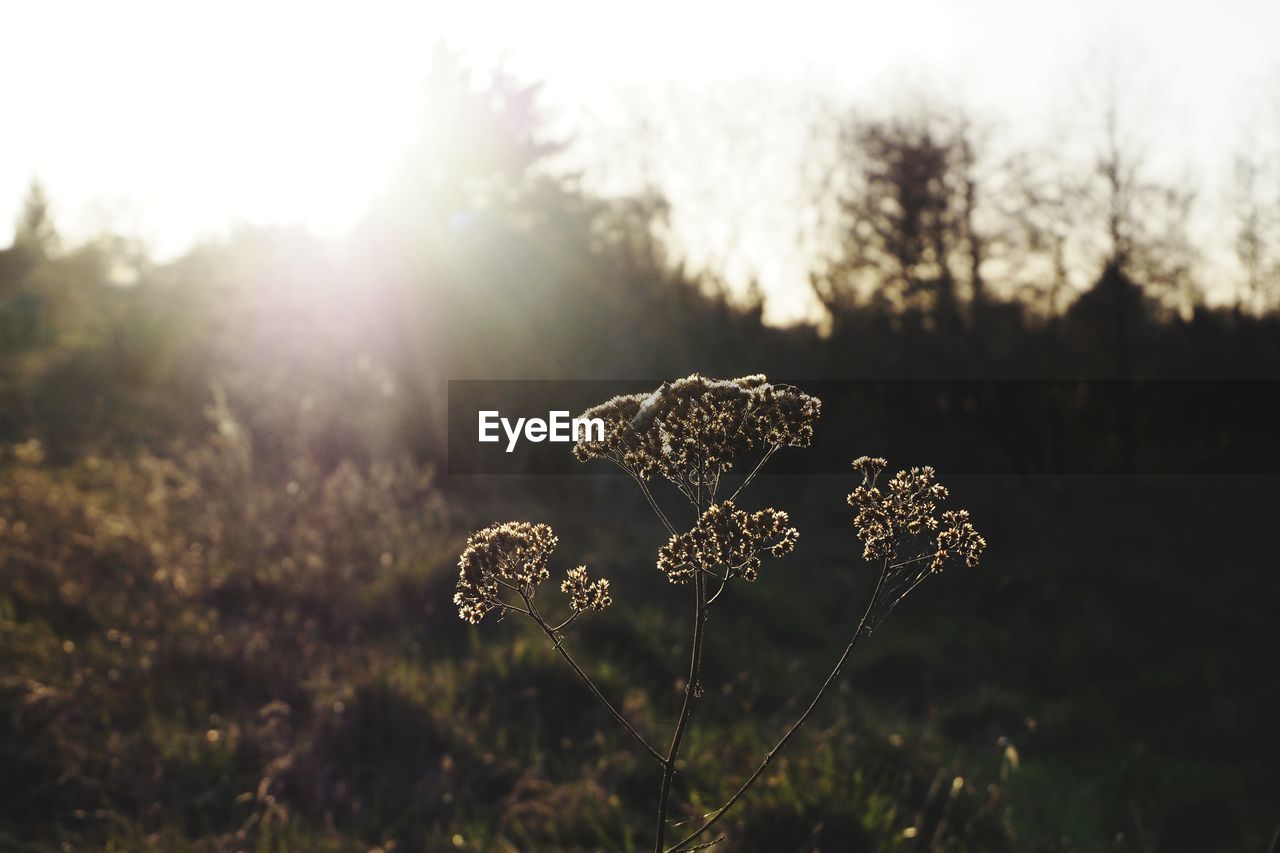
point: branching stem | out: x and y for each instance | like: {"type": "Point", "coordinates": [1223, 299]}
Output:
{"type": "Point", "coordinates": [648, 495]}
{"type": "Point", "coordinates": [558, 642]}
{"type": "Point", "coordinates": [691, 689]}
{"type": "Point", "coordinates": [751, 476]}
{"type": "Point", "coordinates": [684, 843]}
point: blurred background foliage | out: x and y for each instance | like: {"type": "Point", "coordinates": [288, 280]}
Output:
{"type": "Point", "coordinates": [227, 546]}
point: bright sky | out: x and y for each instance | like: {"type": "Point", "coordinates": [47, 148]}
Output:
{"type": "Point", "coordinates": [171, 120]}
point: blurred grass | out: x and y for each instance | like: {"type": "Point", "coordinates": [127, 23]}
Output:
{"type": "Point", "coordinates": [200, 655]}
{"type": "Point", "coordinates": [197, 656]}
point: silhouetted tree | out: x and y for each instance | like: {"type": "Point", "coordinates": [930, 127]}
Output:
{"type": "Point", "coordinates": [909, 193]}
{"type": "Point", "coordinates": [1255, 204]}
{"type": "Point", "coordinates": [34, 239]}
{"type": "Point", "coordinates": [1040, 211]}
{"type": "Point", "coordinates": [1145, 221]}
{"type": "Point", "coordinates": [35, 231]}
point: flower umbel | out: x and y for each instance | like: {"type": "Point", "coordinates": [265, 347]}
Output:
{"type": "Point", "coordinates": [584, 593]}
{"type": "Point", "coordinates": [889, 519]}
{"type": "Point", "coordinates": [958, 538]}
{"type": "Point", "coordinates": [691, 430]}
{"type": "Point", "coordinates": [905, 507]}
{"type": "Point", "coordinates": [728, 539]}
{"type": "Point", "coordinates": [512, 555]}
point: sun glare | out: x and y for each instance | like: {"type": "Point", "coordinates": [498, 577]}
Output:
{"type": "Point", "coordinates": [272, 114]}
{"type": "Point", "coordinates": [208, 115]}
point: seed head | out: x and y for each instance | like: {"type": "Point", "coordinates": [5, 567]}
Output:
{"type": "Point", "coordinates": [691, 430]}
{"type": "Point", "coordinates": [959, 539]}
{"type": "Point", "coordinates": [513, 554]}
{"type": "Point", "coordinates": [727, 538]}
{"type": "Point", "coordinates": [870, 467]}
{"type": "Point", "coordinates": [889, 519]}
{"type": "Point", "coordinates": [584, 593]}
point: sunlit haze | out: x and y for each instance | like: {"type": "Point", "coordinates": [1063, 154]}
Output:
{"type": "Point", "coordinates": [172, 121]}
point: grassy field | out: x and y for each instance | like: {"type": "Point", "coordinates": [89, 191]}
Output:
{"type": "Point", "coordinates": [196, 655]}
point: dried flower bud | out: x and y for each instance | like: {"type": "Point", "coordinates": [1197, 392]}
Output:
{"type": "Point", "coordinates": [691, 430]}
{"type": "Point", "coordinates": [584, 593]}
{"type": "Point", "coordinates": [512, 554]}
{"type": "Point", "coordinates": [729, 539]}
{"type": "Point", "coordinates": [870, 467]}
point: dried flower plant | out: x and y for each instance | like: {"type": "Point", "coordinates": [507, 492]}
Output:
{"type": "Point", "coordinates": [691, 433]}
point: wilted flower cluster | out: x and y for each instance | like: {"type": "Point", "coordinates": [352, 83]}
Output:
{"type": "Point", "coordinates": [729, 539]}
{"type": "Point", "coordinates": [513, 554]}
{"type": "Point", "coordinates": [691, 430]}
{"type": "Point", "coordinates": [958, 538]}
{"type": "Point", "coordinates": [584, 593]}
{"type": "Point", "coordinates": [906, 507]}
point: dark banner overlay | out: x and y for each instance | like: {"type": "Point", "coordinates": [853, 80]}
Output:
{"type": "Point", "coordinates": [961, 427]}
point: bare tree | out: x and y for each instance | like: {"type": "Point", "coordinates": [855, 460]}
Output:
{"type": "Point", "coordinates": [1145, 222]}
{"type": "Point", "coordinates": [1254, 201]}
{"type": "Point", "coordinates": [908, 195]}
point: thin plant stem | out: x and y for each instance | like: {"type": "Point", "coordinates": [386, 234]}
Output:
{"type": "Point", "coordinates": [717, 593]}
{"type": "Point", "coordinates": [558, 642]}
{"type": "Point", "coordinates": [754, 471]}
{"type": "Point", "coordinates": [648, 496]}
{"type": "Point", "coordinates": [683, 844]}
{"type": "Point", "coordinates": [566, 623]}
{"type": "Point", "coordinates": [686, 709]}
{"type": "Point", "coordinates": [921, 558]}
{"type": "Point", "coordinates": [504, 606]}
{"type": "Point", "coordinates": [662, 516]}
{"type": "Point", "coordinates": [724, 581]}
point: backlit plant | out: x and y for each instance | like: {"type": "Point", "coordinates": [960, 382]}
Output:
{"type": "Point", "coordinates": [691, 433]}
